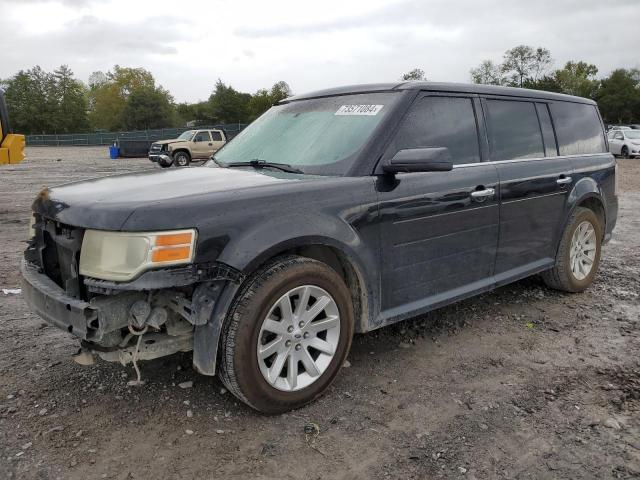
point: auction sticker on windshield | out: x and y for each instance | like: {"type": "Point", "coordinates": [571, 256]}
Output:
{"type": "Point", "coordinates": [359, 109]}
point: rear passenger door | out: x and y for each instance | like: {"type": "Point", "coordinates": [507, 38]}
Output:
{"type": "Point", "coordinates": [438, 240]}
{"type": "Point", "coordinates": [217, 141]}
{"type": "Point", "coordinates": [534, 183]}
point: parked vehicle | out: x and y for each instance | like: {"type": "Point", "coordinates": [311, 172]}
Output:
{"type": "Point", "coordinates": [624, 143]}
{"type": "Point", "coordinates": [11, 144]}
{"type": "Point", "coordinates": [619, 127]}
{"type": "Point", "coordinates": [191, 145]}
{"type": "Point", "coordinates": [335, 212]}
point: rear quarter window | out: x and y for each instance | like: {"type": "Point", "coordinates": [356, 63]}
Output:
{"type": "Point", "coordinates": [578, 128]}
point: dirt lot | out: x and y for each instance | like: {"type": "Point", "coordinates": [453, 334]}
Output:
{"type": "Point", "coordinates": [521, 383]}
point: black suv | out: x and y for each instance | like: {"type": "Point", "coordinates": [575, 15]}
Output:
{"type": "Point", "coordinates": [335, 212]}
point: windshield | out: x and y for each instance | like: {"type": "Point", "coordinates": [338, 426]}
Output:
{"type": "Point", "coordinates": [318, 136]}
{"type": "Point", "coordinates": [635, 134]}
{"type": "Point", "coordinates": [187, 135]}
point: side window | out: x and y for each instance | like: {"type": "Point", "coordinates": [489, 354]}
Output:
{"type": "Point", "coordinates": [578, 128]}
{"type": "Point", "coordinates": [550, 147]}
{"type": "Point", "coordinates": [441, 122]}
{"type": "Point", "coordinates": [619, 136]}
{"type": "Point", "coordinates": [202, 137]}
{"type": "Point", "coordinates": [217, 136]}
{"type": "Point", "coordinates": [514, 130]}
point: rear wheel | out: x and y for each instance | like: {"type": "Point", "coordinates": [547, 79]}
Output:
{"type": "Point", "coordinates": [286, 335]}
{"type": "Point", "coordinates": [578, 256]}
{"type": "Point", "coordinates": [181, 159]}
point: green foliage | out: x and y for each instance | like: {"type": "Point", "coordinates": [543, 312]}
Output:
{"type": "Point", "coordinates": [148, 108]}
{"type": "Point", "coordinates": [264, 99]}
{"type": "Point", "coordinates": [115, 97]}
{"type": "Point", "coordinates": [415, 74]}
{"type": "Point", "coordinates": [42, 102]}
{"type": "Point", "coordinates": [619, 96]}
{"type": "Point", "coordinates": [578, 78]}
{"type": "Point", "coordinates": [524, 63]}
{"type": "Point", "coordinates": [487, 73]}
{"type": "Point", "coordinates": [227, 105]}
{"type": "Point", "coordinates": [70, 96]}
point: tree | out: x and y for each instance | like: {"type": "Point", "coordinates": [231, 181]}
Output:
{"type": "Point", "coordinates": [31, 102]}
{"type": "Point", "coordinates": [415, 74]}
{"type": "Point", "coordinates": [619, 96]}
{"type": "Point", "coordinates": [578, 78]}
{"type": "Point", "coordinates": [70, 96]}
{"type": "Point", "coordinates": [523, 63]}
{"type": "Point", "coordinates": [487, 73]}
{"type": "Point", "coordinates": [227, 105]}
{"type": "Point", "coordinates": [110, 93]}
{"type": "Point", "coordinates": [148, 108]}
{"type": "Point", "coordinates": [264, 99]}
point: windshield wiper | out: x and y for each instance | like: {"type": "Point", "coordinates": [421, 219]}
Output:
{"type": "Point", "coordinates": [256, 163]}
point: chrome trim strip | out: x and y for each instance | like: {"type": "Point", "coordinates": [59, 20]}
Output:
{"type": "Point", "coordinates": [533, 198]}
{"type": "Point", "coordinates": [519, 160]}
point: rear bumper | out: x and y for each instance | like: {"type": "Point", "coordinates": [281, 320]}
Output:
{"type": "Point", "coordinates": [51, 302]}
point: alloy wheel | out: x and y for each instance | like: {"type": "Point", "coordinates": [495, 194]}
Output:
{"type": "Point", "coordinates": [583, 250]}
{"type": "Point", "coordinates": [298, 338]}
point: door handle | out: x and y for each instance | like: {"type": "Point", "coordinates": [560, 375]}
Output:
{"type": "Point", "coordinates": [211, 144]}
{"type": "Point", "coordinates": [564, 180]}
{"type": "Point", "coordinates": [482, 194]}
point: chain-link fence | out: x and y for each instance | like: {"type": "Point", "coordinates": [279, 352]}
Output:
{"type": "Point", "coordinates": [108, 138]}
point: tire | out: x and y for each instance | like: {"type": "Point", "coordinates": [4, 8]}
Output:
{"type": "Point", "coordinates": [241, 367]}
{"type": "Point", "coordinates": [181, 159]}
{"type": "Point", "coordinates": [624, 152]}
{"type": "Point", "coordinates": [566, 275]}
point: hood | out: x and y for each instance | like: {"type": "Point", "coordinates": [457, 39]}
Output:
{"type": "Point", "coordinates": [167, 142]}
{"type": "Point", "coordinates": [106, 203]}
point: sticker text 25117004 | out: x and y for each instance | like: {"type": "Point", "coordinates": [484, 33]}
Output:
{"type": "Point", "coordinates": [359, 109]}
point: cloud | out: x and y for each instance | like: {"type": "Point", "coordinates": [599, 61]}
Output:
{"type": "Point", "coordinates": [251, 44]}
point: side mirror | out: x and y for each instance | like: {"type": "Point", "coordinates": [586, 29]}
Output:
{"type": "Point", "coordinates": [430, 159]}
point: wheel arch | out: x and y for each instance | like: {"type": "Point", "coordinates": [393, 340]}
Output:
{"type": "Point", "coordinates": [334, 254]}
{"type": "Point", "coordinates": [180, 150]}
{"type": "Point", "coordinates": [587, 194]}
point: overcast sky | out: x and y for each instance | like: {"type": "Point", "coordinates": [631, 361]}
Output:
{"type": "Point", "coordinates": [188, 44]}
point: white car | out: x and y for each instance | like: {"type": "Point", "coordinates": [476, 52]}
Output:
{"type": "Point", "coordinates": [625, 143]}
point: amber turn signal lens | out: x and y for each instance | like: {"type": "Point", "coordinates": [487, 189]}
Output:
{"type": "Point", "coordinates": [171, 254]}
{"type": "Point", "coordinates": [171, 239]}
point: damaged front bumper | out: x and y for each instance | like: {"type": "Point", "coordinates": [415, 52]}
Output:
{"type": "Point", "coordinates": [173, 318]}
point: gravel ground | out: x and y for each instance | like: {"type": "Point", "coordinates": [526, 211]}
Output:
{"type": "Point", "coordinates": [520, 383]}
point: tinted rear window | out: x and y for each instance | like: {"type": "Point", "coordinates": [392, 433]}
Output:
{"type": "Point", "coordinates": [578, 128]}
{"type": "Point", "coordinates": [441, 122]}
{"type": "Point", "coordinates": [514, 130]}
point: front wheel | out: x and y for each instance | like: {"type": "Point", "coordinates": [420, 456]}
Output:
{"type": "Point", "coordinates": [286, 335]}
{"type": "Point", "coordinates": [181, 159]}
{"type": "Point", "coordinates": [624, 153]}
{"type": "Point", "coordinates": [578, 256]}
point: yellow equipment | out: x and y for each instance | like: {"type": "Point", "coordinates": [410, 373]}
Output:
{"type": "Point", "coordinates": [11, 144]}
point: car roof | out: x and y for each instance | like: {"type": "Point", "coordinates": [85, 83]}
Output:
{"type": "Point", "coordinates": [440, 87]}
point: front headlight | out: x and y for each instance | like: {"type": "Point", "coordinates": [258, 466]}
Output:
{"type": "Point", "coordinates": [32, 228]}
{"type": "Point", "coordinates": [121, 256]}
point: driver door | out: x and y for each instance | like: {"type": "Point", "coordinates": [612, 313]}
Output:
{"type": "Point", "coordinates": [201, 145]}
{"type": "Point", "coordinates": [438, 240]}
